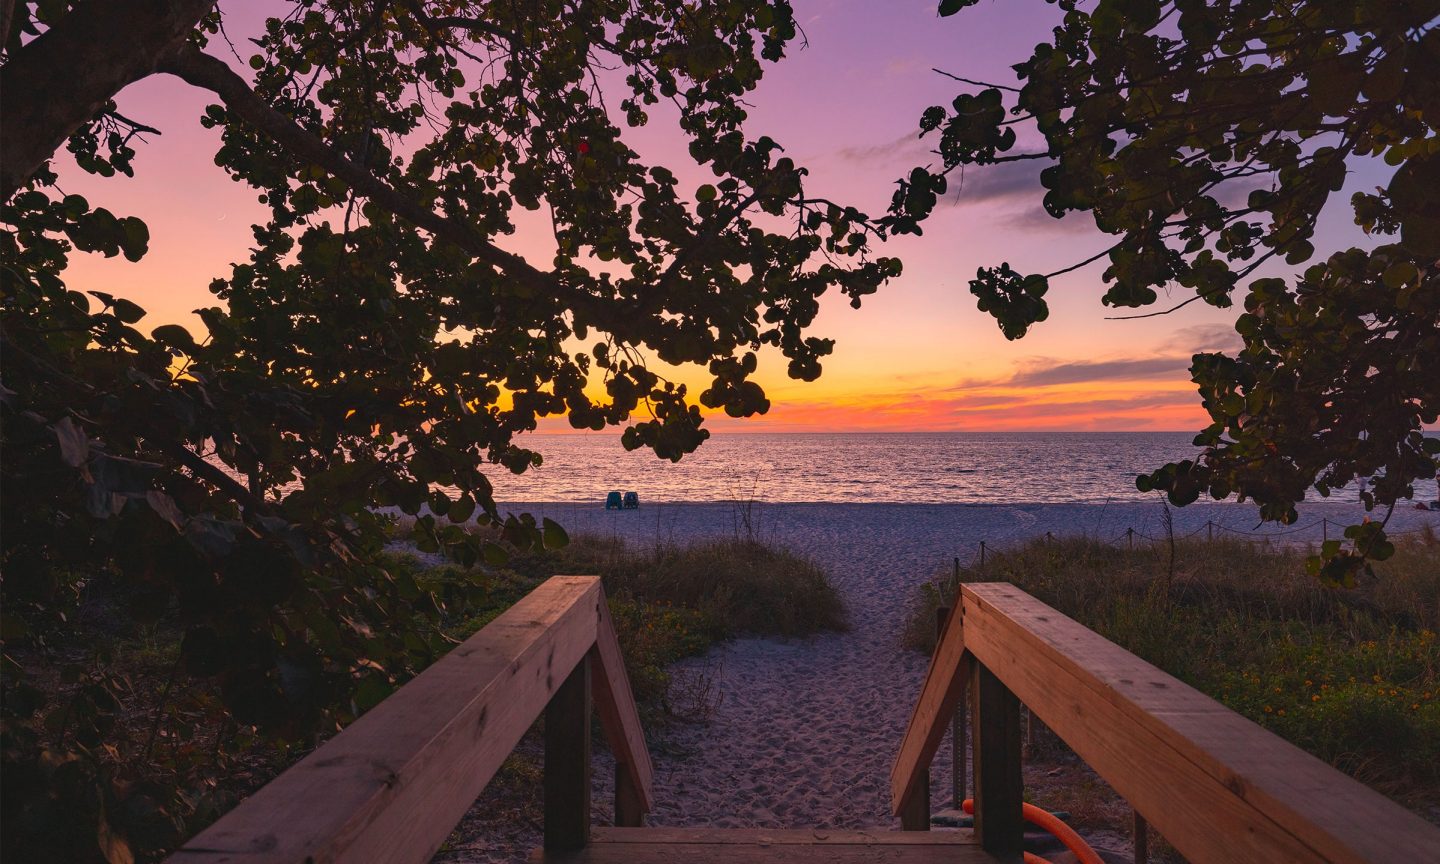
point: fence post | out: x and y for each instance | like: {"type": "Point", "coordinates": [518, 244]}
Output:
{"type": "Point", "coordinates": [1209, 530]}
{"type": "Point", "coordinates": [999, 785]}
{"type": "Point", "coordinates": [957, 721]}
{"type": "Point", "coordinates": [567, 763]}
{"type": "Point", "coordinates": [1130, 536]}
{"type": "Point", "coordinates": [1324, 530]}
{"type": "Point", "coordinates": [982, 557]}
{"type": "Point", "coordinates": [627, 799]}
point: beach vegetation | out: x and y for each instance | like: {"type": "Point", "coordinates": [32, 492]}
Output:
{"type": "Point", "coordinates": [1350, 676]}
{"type": "Point", "coordinates": [736, 586]}
{"type": "Point", "coordinates": [1207, 139]}
{"type": "Point", "coordinates": [126, 740]}
{"type": "Point", "coordinates": [379, 348]}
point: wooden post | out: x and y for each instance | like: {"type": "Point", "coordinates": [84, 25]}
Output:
{"type": "Point", "coordinates": [567, 763]}
{"type": "Point", "coordinates": [982, 557]}
{"type": "Point", "coordinates": [957, 729]}
{"type": "Point", "coordinates": [957, 724]}
{"type": "Point", "coordinates": [999, 786]}
{"type": "Point", "coordinates": [628, 811]}
{"type": "Point", "coordinates": [1130, 536]}
{"type": "Point", "coordinates": [916, 815]}
{"type": "Point", "coordinates": [1142, 839]}
{"type": "Point", "coordinates": [1324, 530]}
{"type": "Point", "coordinates": [1209, 529]}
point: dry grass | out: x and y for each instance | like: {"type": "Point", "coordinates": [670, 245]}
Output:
{"type": "Point", "coordinates": [1352, 676]}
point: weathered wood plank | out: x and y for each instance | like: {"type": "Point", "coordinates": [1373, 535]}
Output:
{"type": "Point", "coordinates": [915, 814]}
{"type": "Point", "coordinates": [783, 836]}
{"type": "Point", "coordinates": [567, 763]}
{"type": "Point", "coordinates": [1218, 787]}
{"type": "Point", "coordinates": [629, 809]}
{"type": "Point", "coordinates": [938, 698]}
{"type": "Point", "coordinates": [615, 703]}
{"type": "Point", "coordinates": [766, 846]}
{"type": "Point", "coordinates": [611, 853]}
{"type": "Point", "coordinates": [999, 786]}
{"type": "Point", "coordinates": [391, 786]}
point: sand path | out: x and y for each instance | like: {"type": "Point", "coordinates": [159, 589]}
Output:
{"type": "Point", "coordinates": [805, 731]}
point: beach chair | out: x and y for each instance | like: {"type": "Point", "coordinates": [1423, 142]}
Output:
{"type": "Point", "coordinates": [612, 501]}
{"type": "Point", "coordinates": [632, 501]}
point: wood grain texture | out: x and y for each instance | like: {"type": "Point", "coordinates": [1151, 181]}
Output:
{"type": "Point", "coordinates": [765, 846]}
{"type": "Point", "coordinates": [915, 814]}
{"type": "Point", "coordinates": [783, 836]}
{"type": "Point", "coordinates": [567, 762]}
{"type": "Point", "coordinates": [999, 786]}
{"type": "Point", "coordinates": [615, 703]}
{"type": "Point", "coordinates": [1218, 787]}
{"type": "Point", "coordinates": [629, 809]}
{"type": "Point", "coordinates": [938, 697]}
{"type": "Point", "coordinates": [392, 785]}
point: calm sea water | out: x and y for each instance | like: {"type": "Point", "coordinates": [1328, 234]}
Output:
{"type": "Point", "coordinates": [954, 467]}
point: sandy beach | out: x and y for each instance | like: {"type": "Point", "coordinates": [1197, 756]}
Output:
{"type": "Point", "coordinates": [804, 732]}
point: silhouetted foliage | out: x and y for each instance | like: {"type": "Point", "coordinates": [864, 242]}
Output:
{"type": "Point", "coordinates": [379, 343]}
{"type": "Point", "coordinates": [1207, 138]}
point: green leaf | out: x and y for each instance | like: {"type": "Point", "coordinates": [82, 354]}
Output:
{"type": "Point", "coordinates": [127, 311]}
{"type": "Point", "coordinates": [174, 336]}
{"type": "Point", "coordinates": [554, 536]}
{"type": "Point", "coordinates": [461, 509]}
{"type": "Point", "coordinates": [494, 554]}
{"type": "Point", "coordinates": [136, 238]}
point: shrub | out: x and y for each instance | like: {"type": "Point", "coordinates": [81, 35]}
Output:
{"type": "Point", "coordinates": [1352, 676]}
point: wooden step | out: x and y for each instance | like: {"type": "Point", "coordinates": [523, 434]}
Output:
{"type": "Point", "coordinates": [760, 846]}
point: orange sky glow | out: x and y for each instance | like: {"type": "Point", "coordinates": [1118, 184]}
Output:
{"type": "Point", "coordinates": [916, 357]}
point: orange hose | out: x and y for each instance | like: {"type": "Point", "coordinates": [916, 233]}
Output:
{"type": "Point", "coordinates": [1064, 833]}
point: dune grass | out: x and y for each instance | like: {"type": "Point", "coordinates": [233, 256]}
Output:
{"type": "Point", "coordinates": [1351, 676]}
{"type": "Point", "coordinates": [739, 587]}
{"type": "Point", "coordinates": [667, 602]}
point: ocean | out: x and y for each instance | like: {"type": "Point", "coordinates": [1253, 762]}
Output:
{"type": "Point", "coordinates": [949, 467]}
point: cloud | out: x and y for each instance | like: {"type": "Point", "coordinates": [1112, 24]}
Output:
{"type": "Point", "coordinates": [909, 148]}
{"type": "Point", "coordinates": [940, 410]}
{"type": "Point", "coordinates": [1101, 370]}
{"type": "Point", "coordinates": [1207, 337]}
{"type": "Point", "coordinates": [1036, 219]}
{"type": "Point", "coordinates": [1007, 180]}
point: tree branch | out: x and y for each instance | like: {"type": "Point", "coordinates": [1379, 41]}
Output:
{"type": "Point", "coordinates": [199, 69]}
{"type": "Point", "coordinates": [975, 83]}
{"type": "Point", "coordinates": [57, 81]}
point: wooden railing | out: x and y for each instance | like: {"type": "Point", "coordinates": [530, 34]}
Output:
{"type": "Point", "coordinates": [1218, 787]}
{"type": "Point", "coordinates": [392, 785]}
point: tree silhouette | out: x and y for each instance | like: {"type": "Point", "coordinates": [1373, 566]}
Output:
{"type": "Point", "coordinates": [1207, 138]}
{"type": "Point", "coordinates": [379, 343]}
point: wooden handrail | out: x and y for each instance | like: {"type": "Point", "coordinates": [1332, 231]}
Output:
{"type": "Point", "coordinates": [1218, 787]}
{"type": "Point", "coordinates": [391, 786]}
{"type": "Point", "coordinates": [939, 696]}
{"type": "Point", "coordinates": [619, 718]}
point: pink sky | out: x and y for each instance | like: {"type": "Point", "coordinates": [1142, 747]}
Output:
{"type": "Point", "coordinates": [918, 356]}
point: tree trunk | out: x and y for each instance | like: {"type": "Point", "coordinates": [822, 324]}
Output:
{"type": "Point", "coordinates": [57, 82]}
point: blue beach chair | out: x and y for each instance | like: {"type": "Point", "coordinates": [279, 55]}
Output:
{"type": "Point", "coordinates": [612, 501]}
{"type": "Point", "coordinates": [632, 501]}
